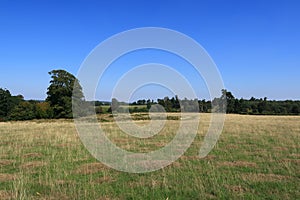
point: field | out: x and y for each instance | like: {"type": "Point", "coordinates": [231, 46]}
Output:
{"type": "Point", "coordinates": [256, 157]}
{"type": "Point", "coordinates": [105, 108]}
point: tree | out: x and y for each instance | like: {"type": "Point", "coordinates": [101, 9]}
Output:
{"type": "Point", "coordinates": [43, 110]}
{"type": "Point", "coordinates": [167, 104]}
{"type": "Point", "coordinates": [25, 110]}
{"type": "Point", "coordinates": [230, 100]}
{"type": "Point", "coordinates": [114, 105]}
{"type": "Point", "coordinates": [63, 86]}
{"type": "Point", "coordinates": [262, 106]}
{"type": "Point", "coordinates": [5, 103]}
{"type": "Point", "coordinates": [148, 104]}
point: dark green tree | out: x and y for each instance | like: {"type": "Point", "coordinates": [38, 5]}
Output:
{"type": "Point", "coordinates": [168, 104]}
{"type": "Point", "coordinates": [262, 106]}
{"type": "Point", "coordinates": [62, 86]}
{"type": "Point", "coordinates": [149, 104]}
{"type": "Point", "coordinates": [6, 103]}
{"type": "Point", "coordinates": [25, 110]}
{"type": "Point", "coordinates": [230, 99]}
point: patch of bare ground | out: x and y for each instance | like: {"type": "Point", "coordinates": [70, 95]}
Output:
{"type": "Point", "coordinates": [236, 188]}
{"type": "Point", "coordinates": [294, 146]}
{"type": "Point", "coordinates": [237, 164]}
{"type": "Point", "coordinates": [33, 164]}
{"type": "Point", "coordinates": [7, 177]}
{"type": "Point", "coordinates": [160, 144]}
{"type": "Point", "coordinates": [5, 195]}
{"type": "Point", "coordinates": [255, 152]}
{"type": "Point", "coordinates": [152, 164]}
{"type": "Point", "coordinates": [81, 159]}
{"type": "Point", "coordinates": [281, 148]}
{"type": "Point", "coordinates": [6, 162]}
{"type": "Point", "coordinates": [189, 157]}
{"type": "Point", "coordinates": [175, 164]}
{"type": "Point", "coordinates": [264, 177]}
{"type": "Point", "coordinates": [297, 161]}
{"type": "Point", "coordinates": [195, 157]}
{"type": "Point", "coordinates": [90, 168]}
{"type": "Point", "coordinates": [32, 155]}
{"type": "Point", "coordinates": [209, 157]}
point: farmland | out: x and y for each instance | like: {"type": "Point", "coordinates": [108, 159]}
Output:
{"type": "Point", "coordinates": [255, 157]}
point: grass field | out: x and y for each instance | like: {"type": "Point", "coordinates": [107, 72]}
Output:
{"type": "Point", "coordinates": [105, 108]}
{"type": "Point", "coordinates": [256, 157]}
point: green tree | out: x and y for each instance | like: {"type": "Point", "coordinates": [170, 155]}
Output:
{"type": "Point", "coordinates": [167, 104]}
{"type": "Point", "coordinates": [230, 100]}
{"type": "Point", "coordinates": [5, 103]}
{"type": "Point", "coordinates": [148, 104]}
{"type": "Point", "coordinates": [43, 110]}
{"type": "Point", "coordinates": [63, 86]}
{"type": "Point", "coordinates": [25, 110]}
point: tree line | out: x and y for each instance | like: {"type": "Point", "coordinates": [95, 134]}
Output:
{"type": "Point", "coordinates": [261, 106]}
{"type": "Point", "coordinates": [58, 103]}
{"type": "Point", "coordinates": [252, 106]}
{"type": "Point", "coordinates": [64, 86]}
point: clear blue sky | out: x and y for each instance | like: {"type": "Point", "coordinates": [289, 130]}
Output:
{"type": "Point", "coordinates": [255, 43]}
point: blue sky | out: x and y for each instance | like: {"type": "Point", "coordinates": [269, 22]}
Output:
{"type": "Point", "coordinates": [254, 43]}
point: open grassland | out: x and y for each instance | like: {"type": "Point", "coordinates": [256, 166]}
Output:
{"type": "Point", "coordinates": [256, 157]}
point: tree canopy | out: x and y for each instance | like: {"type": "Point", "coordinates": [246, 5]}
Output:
{"type": "Point", "coordinates": [5, 103]}
{"type": "Point", "coordinates": [63, 86]}
{"type": "Point", "coordinates": [65, 90]}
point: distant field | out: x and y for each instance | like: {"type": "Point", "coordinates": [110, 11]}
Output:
{"type": "Point", "coordinates": [256, 157]}
{"type": "Point", "coordinates": [105, 108]}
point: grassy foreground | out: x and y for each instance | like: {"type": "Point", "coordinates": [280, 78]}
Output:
{"type": "Point", "coordinates": [256, 157]}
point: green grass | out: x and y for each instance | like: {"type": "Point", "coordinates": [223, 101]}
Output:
{"type": "Point", "coordinates": [106, 107]}
{"type": "Point", "coordinates": [256, 157]}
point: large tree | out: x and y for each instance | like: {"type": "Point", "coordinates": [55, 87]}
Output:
{"type": "Point", "coordinates": [230, 100]}
{"type": "Point", "coordinates": [5, 103]}
{"type": "Point", "coordinates": [60, 93]}
{"type": "Point", "coordinates": [8, 103]}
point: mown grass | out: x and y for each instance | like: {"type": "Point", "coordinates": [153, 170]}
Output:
{"type": "Point", "coordinates": [256, 157]}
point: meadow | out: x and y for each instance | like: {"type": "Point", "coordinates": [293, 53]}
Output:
{"type": "Point", "coordinates": [256, 157]}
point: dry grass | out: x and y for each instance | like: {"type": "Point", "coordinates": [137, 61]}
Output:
{"type": "Point", "coordinates": [237, 164]}
{"type": "Point", "coordinates": [32, 155]}
{"type": "Point", "coordinates": [7, 177]}
{"type": "Point", "coordinates": [264, 177]}
{"type": "Point", "coordinates": [6, 162]}
{"type": "Point", "coordinates": [33, 164]}
{"type": "Point", "coordinates": [105, 179]}
{"type": "Point", "coordinates": [6, 195]}
{"type": "Point", "coordinates": [255, 157]}
{"type": "Point", "coordinates": [90, 168]}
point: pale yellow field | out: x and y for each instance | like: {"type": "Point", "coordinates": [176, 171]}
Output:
{"type": "Point", "coordinates": [255, 157]}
